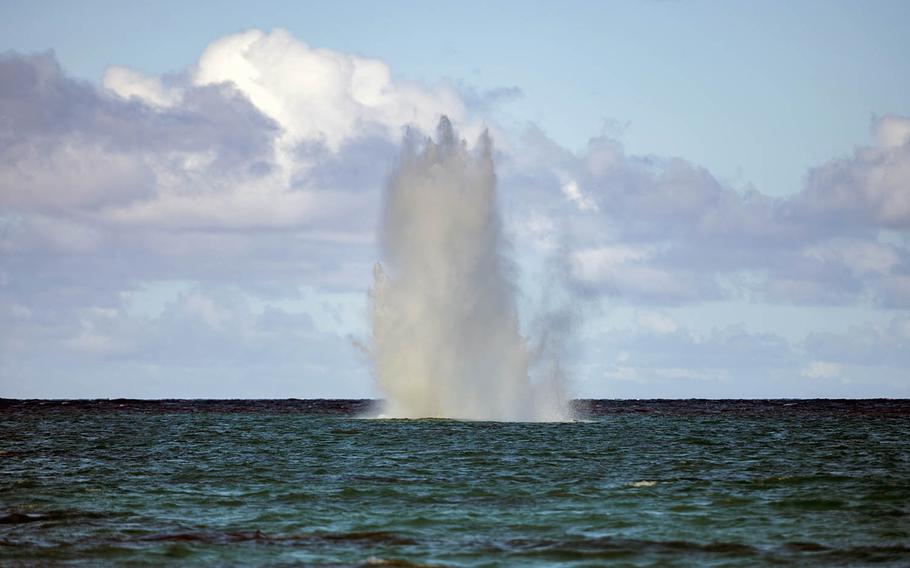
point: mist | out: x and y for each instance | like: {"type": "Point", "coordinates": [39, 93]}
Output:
{"type": "Point", "coordinates": [446, 337]}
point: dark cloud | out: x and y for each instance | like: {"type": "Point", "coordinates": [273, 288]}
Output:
{"type": "Point", "coordinates": [42, 106]}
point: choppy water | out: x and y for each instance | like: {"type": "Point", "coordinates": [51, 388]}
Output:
{"type": "Point", "coordinates": [301, 482]}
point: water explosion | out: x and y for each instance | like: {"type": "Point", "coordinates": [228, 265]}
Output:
{"type": "Point", "coordinates": [446, 340]}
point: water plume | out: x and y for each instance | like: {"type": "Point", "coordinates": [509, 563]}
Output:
{"type": "Point", "coordinates": [446, 340]}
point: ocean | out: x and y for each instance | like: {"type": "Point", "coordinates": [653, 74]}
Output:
{"type": "Point", "coordinates": [310, 482]}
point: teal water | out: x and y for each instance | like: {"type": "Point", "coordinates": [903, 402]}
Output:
{"type": "Point", "coordinates": [638, 484]}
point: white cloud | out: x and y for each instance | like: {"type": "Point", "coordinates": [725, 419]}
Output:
{"type": "Point", "coordinates": [822, 370]}
{"type": "Point", "coordinates": [627, 271]}
{"type": "Point", "coordinates": [320, 94]}
{"type": "Point", "coordinates": [128, 83]}
{"type": "Point", "coordinates": [656, 322]}
{"type": "Point", "coordinates": [595, 263]}
{"type": "Point", "coordinates": [691, 374]}
{"type": "Point", "coordinates": [892, 131]}
{"type": "Point", "coordinates": [581, 201]}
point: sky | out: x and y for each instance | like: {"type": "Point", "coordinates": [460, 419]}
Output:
{"type": "Point", "coordinates": [189, 193]}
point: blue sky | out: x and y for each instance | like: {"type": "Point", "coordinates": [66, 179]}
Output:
{"type": "Point", "coordinates": [667, 117]}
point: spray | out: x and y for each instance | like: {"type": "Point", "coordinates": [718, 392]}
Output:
{"type": "Point", "coordinates": [446, 340]}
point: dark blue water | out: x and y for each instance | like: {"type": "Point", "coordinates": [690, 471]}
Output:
{"type": "Point", "coordinates": [639, 483]}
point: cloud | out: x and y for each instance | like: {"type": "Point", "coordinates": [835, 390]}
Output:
{"type": "Point", "coordinates": [869, 345]}
{"type": "Point", "coordinates": [699, 239]}
{"type": "Point", "coordinates": [822, 370]}
{"type": "Point", "coordinates": [657, 322]}
{"type": "Point", "coordinates": [892, 131]}
{"type": "Point", "coordinates": [188, 175]}
{"type": "Point", "coordinates": [859, 256]}
{"type": "Point", "coordinates": [257, 169]}
{"type": "Point", "coordinates": [320, 94]}
{"type": "Point", "coordinates": [656, 356]}
{"type": "Point", "coordinates": [893, 291]}
{"type": "Point", "coordinates": [206, 342]}
{"type": "Point", "coordinates": [485, 101]}
{"type": "Point", "coordinates": [573, 194]}
{"type": "Point", "coordinates": [129, 84]}
{"type": "Point", "coordinates": [626, 271]}
{"type": "Point", "coordinates": [870, 188]}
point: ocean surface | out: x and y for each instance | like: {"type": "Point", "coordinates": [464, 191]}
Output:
{"type": "Point", "coordinates": [296, 482]}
